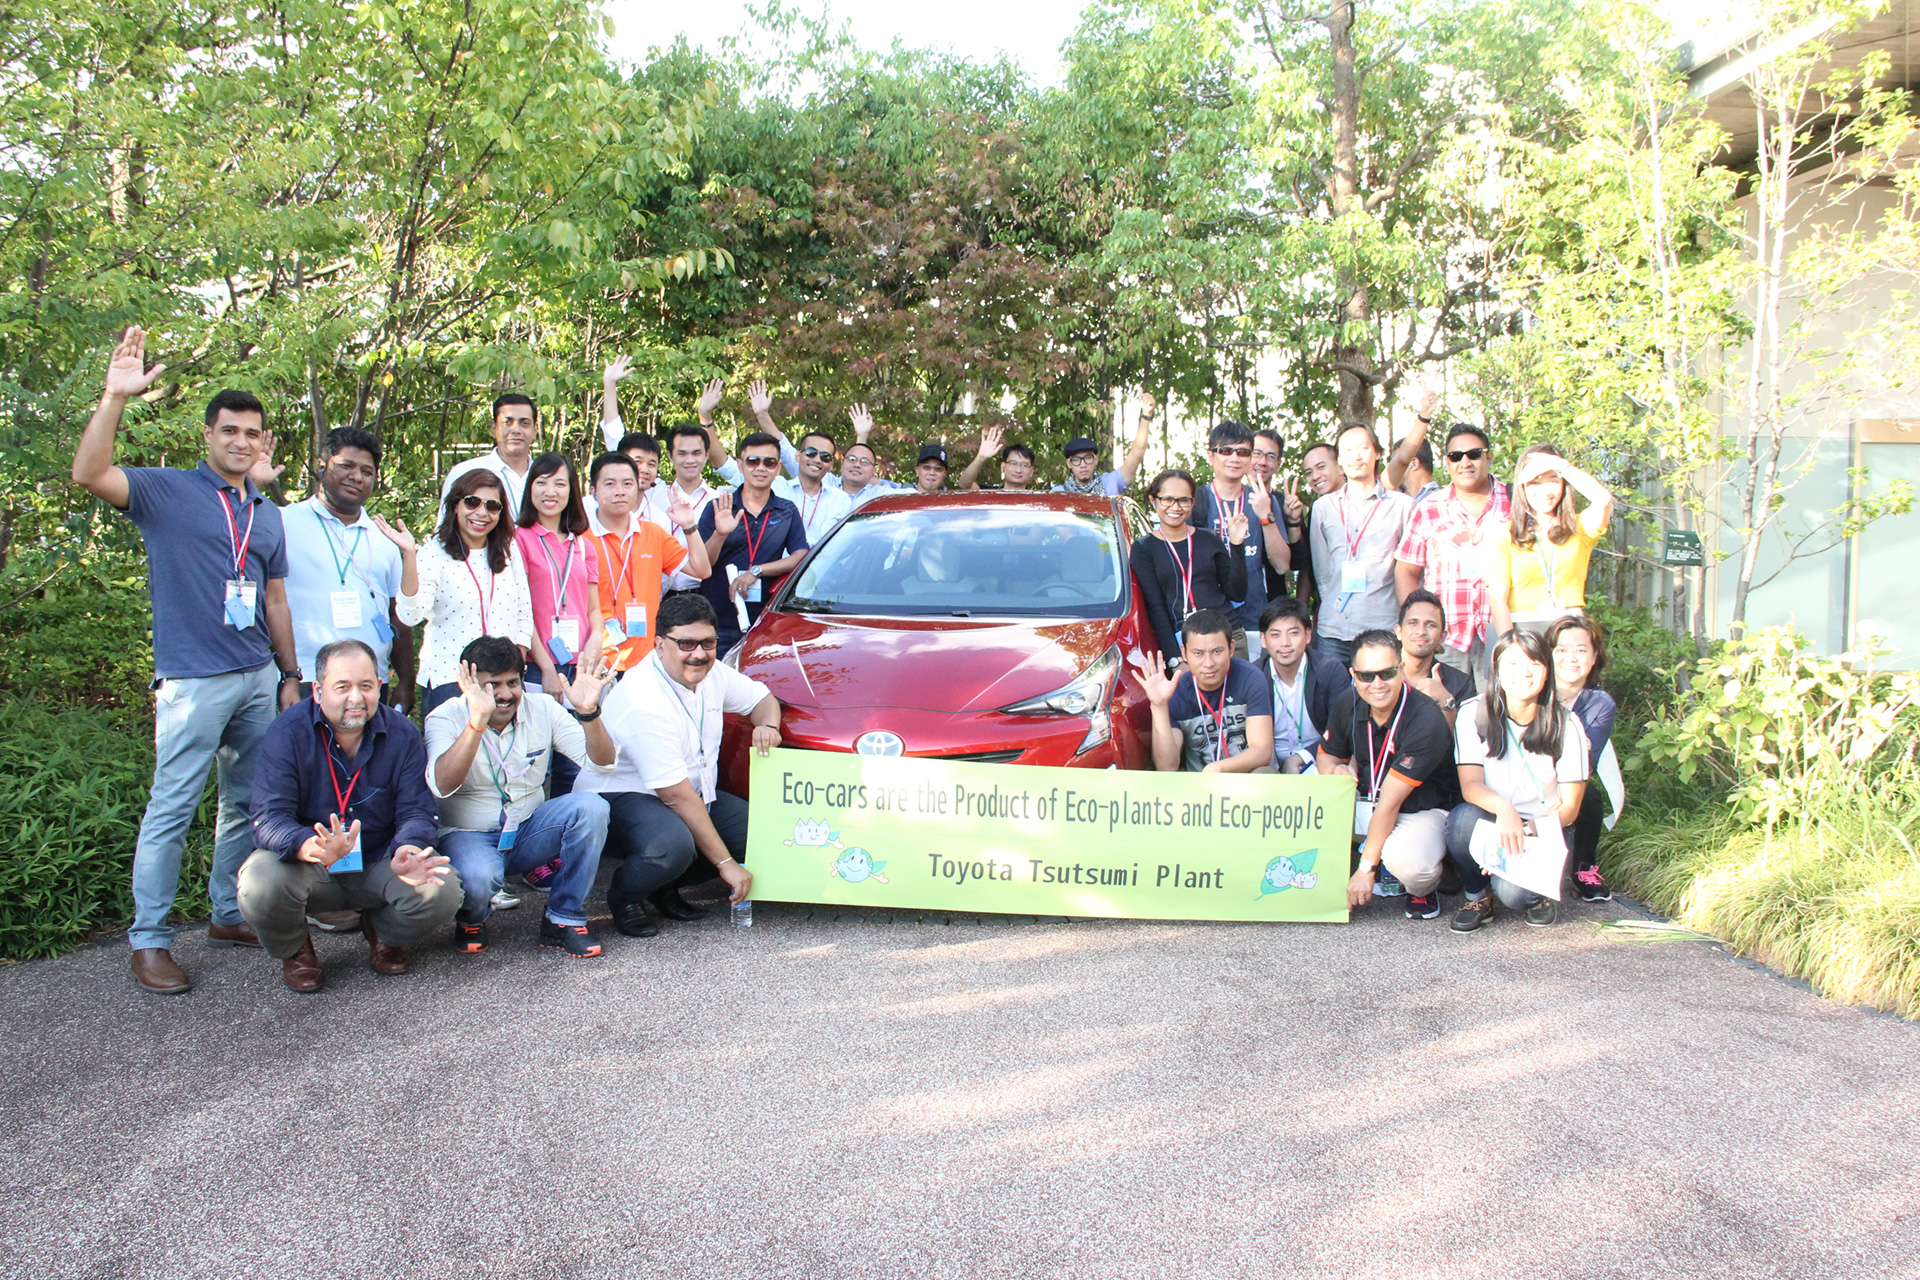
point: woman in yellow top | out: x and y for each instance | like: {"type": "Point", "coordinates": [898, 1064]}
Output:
{"type": "Point", "coordinates": [1538, 572]}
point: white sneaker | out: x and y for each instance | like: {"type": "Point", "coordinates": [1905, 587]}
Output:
{"type": "Point", "coordinates": [504, 901]}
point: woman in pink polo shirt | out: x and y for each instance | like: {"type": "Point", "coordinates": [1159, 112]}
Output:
{"type": "Point", "coordinates": [563, 578]}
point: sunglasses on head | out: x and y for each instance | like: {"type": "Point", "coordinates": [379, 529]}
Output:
{"type": "Point", "coordinates": [709, 645]}
{"type": "Point", "coordinates": [1374, 677]}
{"type": "Point", "coordinates": [473, 502]}
{"type": "Point", "coordinates": [812, 452]}
{"type": "Point", "coordinates": [1466, 455]}
{"type": "Point", "coordinates": [760, 462]}
{"type": "Point", "coordinates": [1236, 451]}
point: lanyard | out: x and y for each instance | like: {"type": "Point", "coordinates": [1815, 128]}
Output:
{"type": "Point", "coordinates": [1540, 545]}
{"type": "Point", "coordinates": [1302, 723]}
{"type": "Point", "coordinates": [1219, 719]}
{"type": "Point", "coordinates": [493, 580]}
{"type": "Point", "coordinates": [340, 797]}
{"type": "Point", "coordinates": [1346, 526]}
{"type": "Point", "coordinates": [358, 533]}
{"type": "Point", "coordinates": [753, 543]}
{"type": "Point", "coordinates": [1186, 572]}
{"type": "Point", "coordinates": [562, 579]}
{"type": "Point", "coordinates": [1385, 751]}
{"type": "Point", "coordinates": [1539, 787]}
{"type": "Point", "coordinates": [626, 562]}
{"type": "Point", "coordinates": [806, 516]}
{"type": "Point", "coordinates": [238, 543]}
{"type": "Point", "coordinates": [699, 725]}
{"type": "Point", "coordinates": [1224, 510]}
{"type": "Point", "coordinates": [497, 758]}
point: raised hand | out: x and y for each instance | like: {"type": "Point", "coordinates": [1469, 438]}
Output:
{"type": "Point", "coordinates": [862, 421]}
{"type": "Point", "coordinates": [418, 867]}
{"type": "Point", "coordinates": [1295, 508]}
{"type": "Point", "coordinates": [991, 441]}
{"type": "Point", "coordinates": [616, 371]}
{"type": "Point", "coordinates": [757, 398]}
{"type": "Point", "coordinates": [397, 533]}
{"type": "Point", "coordinates": [1148, 404]}
{"type": "Point", "coordinates": [584, 693]}
{"type": "Point", "coordinates": [263, 472]}
{"type": "Point", "coordinates": [1428, 402]}
{"type": "Point", "coordinates": [681, 512]}
{"type": "Point", "coordinates": [478, 697]}
{"type": "Point", "coordinates": [127, 374]}
{"type": "Point", "coordinates": [725, 518]}
{"type": "Point", "coordinates": [1259, 496]}
{"type": "Point", "coordinates": [1537, 465]}
{"type": "Point", "coordinates": [1236, 529]}
{"type": "Point", "coordinates": [330, 843]}
{"type": "Point", "coordinates": [710, 398]}
{"type": "Point", "coordinates": [1152, 671]}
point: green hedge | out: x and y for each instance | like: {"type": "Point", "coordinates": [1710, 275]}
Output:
{"type": "Point", "coordinates": [86, 643]}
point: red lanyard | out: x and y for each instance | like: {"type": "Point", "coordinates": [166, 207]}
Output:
{"type": "Point", "coordinates": [341, 798]}
{"type": "Point", "coordinates": [1385, 751]}
{"type": "Point", "coordinates": [753, 543]}
{"type": "Point", "coordinates": [234, 540]}
{"type": "Point", "coordinates": [1219, 719]}
{"type": "Point", "coordinates": [806, 517]}
{"type": "Point", "coordinates": [1186, 574]}
{"type": "Point", "coordinates": [562, 578]}
{"type": "Point", "coordinates": [1223, 510]}
{"type": "Point", "coordinates": [1354, 539]}
{"type": "Point", "coordinates": [493, 580]}
{"type": "Point", "coordinates": [626, 562]}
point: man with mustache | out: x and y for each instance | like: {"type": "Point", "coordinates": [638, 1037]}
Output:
{"type": "Point", "coordinates": [516, 426]}
{"type": "Point", "coordinates": [343, 821]}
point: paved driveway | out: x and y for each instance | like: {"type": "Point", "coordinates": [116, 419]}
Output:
{"type": "Point", "coordinates": [823, 1098]}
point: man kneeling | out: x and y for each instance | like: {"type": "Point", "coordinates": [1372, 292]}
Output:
{"type": "Point", "coordinates": [342, 821]}
{"type": "Point", "coordinates": [666, 716]}
{"type": "Point", "coordinates": [491, 748]}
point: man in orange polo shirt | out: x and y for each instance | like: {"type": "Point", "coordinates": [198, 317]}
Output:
{"type": "Point", "coordinates": [634, 556]}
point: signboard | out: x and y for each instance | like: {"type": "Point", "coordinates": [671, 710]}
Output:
{"type": "Point", "coordinates": [1682, 548]}
{"type": "Point", "coordinates": [902, 832]}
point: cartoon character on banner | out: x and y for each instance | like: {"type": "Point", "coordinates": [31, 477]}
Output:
{"type": "Point", "coordinates": [1290, 873]}
{"type": "Point", "coordinates": [814, 833]}
{"type": "Point", "coordinates": [854, 866]}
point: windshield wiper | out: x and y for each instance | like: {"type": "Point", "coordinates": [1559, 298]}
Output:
{"type": "Point", "coordinates": [809, 606]}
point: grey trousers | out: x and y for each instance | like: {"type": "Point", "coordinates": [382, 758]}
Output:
{"type": "Point", "coordinates": [276, 897]}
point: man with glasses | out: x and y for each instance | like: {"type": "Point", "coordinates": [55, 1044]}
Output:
{"type": "Point", "coordinates": [1016, 472]}
{"type": "Point", "coordinates": [1083, 459]}
{"type": "Point", "coordinates": [1446, 545]}
{"type": "Point", "coordinates": [857, 470]}
{"type": "Point", "coordinates": [1229, 494]}
{"type": "Point", "coordinates": [1397, 747]}
{"type": "Point", "coordinates": [672, 824]}
{"type": "Point", "coordinates": [753, 535]}
{"type": "Point", "coordinates": [1267, 447]}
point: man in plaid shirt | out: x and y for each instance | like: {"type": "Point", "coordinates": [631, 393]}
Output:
{"type": "Point", "coordinates": [1445, 547]}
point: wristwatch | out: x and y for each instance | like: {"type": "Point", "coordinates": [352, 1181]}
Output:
{"type": "Point", "coordinates": [754, 570]}
{"type": "Point", "coordinates": [290, 673]}
{"type": "Point", "coordinates": [585, 717]}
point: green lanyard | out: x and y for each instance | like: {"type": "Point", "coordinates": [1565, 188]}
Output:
{"type": "Point", "coordinates": [497, 763]}
{"type": "Point", "coordinates": [1540, 545]}
{"type": "Point", "coordinates": [334, 550]}
{"type": "Point", "coordinates": [1301, 726]}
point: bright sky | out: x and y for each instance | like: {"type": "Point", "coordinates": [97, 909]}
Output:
{"type": "Point", "coordinates": [1029, 30]}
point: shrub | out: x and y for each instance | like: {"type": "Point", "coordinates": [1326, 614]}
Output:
{"type": "Point", "coordinates": [83, 643]}
{"type": "Point", "coordinates": [77, 786]}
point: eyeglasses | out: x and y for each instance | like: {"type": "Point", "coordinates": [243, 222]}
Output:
{"type": "Point", "coordinates": [1236, 451]}
{"type": "Point", "coordinates": [760, 462]}
{"type": "Point", "coordinates": [1465, 455]}
{"type": "Point", "coordinates": [709, 645]}
{"type": "Point", "coordinates": [1165, 501]}
{"type": "Point", "coordinates": [473, 502]}
{"type": "Point", "coordinates": [1374, 677]}
{"type": "Point", "coordinates": [812, 452]}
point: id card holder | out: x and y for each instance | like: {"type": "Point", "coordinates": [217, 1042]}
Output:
{"type": "Point", "coordinates": [615, 633]}
{"type": "Point", "coordinates": [383, 628]}
{"type": "Point", "coordinates": [242, 595]}
{"type": "Point", "coordinates": [565, 634]}
{"type": "Point", "coordinates": [509, 832]}
{"type": "Point", "coordinates": [346, 610]}
{"type": "Point", "coordinates": [1353, 578]}
{"type": "Point", "coordinates": [636, 622]}
{"type": "Point", "coordinates": [1362, 817]}
{"type": "Point", "coordinates": [752, 593]}
{"type": "Point", "coordinates": [354, 861]}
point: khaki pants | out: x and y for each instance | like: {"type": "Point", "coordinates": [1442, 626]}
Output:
{"type": "Point", "coordinates": [276, 897]}
{"type": "Point", "coordinates": [1415, 849]}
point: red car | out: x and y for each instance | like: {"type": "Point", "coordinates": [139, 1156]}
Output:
{"type": "Point", "coordinates": [965, 626]}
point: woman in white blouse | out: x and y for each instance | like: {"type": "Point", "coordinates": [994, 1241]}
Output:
{"type": "Point", "coordinates": [459, 594]}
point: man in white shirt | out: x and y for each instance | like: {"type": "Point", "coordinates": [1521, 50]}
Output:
{"type": "Point", "coordinates": [666, 717]}
{"type": "Point", "coordinates": [488, 753]}
{"type": "Point", "coordinates": [516, 425]}
{"type": "Point", "coordinates": [821, 504]}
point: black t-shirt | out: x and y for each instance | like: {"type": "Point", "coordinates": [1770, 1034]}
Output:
{"type": "Point", "coordinates": [1422, 747]}
{"type": "Point", "coordinates": [1219, 577]}
{"type": "Point", "coordinates": [1245, 693]}
{"type": "Point", "coordinates": [1455, 681]}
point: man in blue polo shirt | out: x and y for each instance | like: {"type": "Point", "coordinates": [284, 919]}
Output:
{"type": "Point", "coordinates": [342, 571]}
{"type": "Point", "coordinates": [752, 535]}
{"type": "Point", "coordinates": [216, 569]}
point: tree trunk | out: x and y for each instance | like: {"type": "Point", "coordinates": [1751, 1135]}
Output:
{"type": "Point", "coordinates": [1352, 355]}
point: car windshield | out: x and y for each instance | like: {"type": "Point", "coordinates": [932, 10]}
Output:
{"type": "Point", "coordinates": [966, 562]}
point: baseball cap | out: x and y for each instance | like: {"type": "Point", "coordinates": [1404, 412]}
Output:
{"type": "Point", "coordinates": [932, 453]}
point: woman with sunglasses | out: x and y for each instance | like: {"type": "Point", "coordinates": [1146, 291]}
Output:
{"type": "Point", "coordinates": [1522, 760]}
{"type": "Point", "coordinates": [1180, 568]}
{"type": "Point", "coordinates": [468, 582]}
{"type": "Point", "coordinates": [1537, 574]}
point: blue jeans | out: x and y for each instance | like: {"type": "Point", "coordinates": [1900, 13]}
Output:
{"type": "Point", "coordinates": [572, 826]}
{"type": "Point", "coordinates": [1340, 651]}
{"type": "Point", "coordinates": [435, 695]}
{"type": "Point", "coordinates": [208, 720]}
{"type": "Point", "coordinates": [1473, 876]}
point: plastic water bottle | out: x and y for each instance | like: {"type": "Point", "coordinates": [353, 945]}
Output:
{"type": "Point", "coordinates": [743, 914]}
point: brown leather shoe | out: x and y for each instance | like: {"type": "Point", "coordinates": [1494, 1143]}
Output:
{"type": "Point", "coordinates": [301, 971]}
{"type": "Point", "coordinates": [232, 935]}
{"type": "Point", "coordinates": [154, 969]}
{"type": "Point", "coordinates": [382, 958]}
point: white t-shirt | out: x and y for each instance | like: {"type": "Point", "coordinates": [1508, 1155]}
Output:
{"type": "Point", "coordinates": [516, 760]}
{"type": "Point", "coordinates": [1529, 782]}
{"type": "Point", "coordinates": [667, 733]}
{"type": "Point", "coordinates": [820, 512]}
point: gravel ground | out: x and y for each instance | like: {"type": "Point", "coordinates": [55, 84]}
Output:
{"type": "Point", "coordinates": [916, 1097]}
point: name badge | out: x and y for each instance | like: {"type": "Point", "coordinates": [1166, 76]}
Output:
{"type": "Point", "coordinates": [614, 631]}
{"type": "Point", "coordinates": [353, 861]}
{"type": "Point", "coordinates": [346, 610]}
{"type": "Point", "coordinates": [752, 593]}
{"type": "Point", "coordinates": [242, 594]}
{"type": "Point", "coordinates": [636, 621]}
{"type": "Point", "coordinates": [1353, 577]}
{"type": "Point", "coordinates": [509, 831]}
{"type": "Point", "coordinates": [383, 628]}
{"type": "Point", "coordinates": [1362, 817]}
{"type": "Point", "coordinates": [566, 639]}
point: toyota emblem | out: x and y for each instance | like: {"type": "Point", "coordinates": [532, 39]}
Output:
{"type": "Point", "coordinates": [879, 743]}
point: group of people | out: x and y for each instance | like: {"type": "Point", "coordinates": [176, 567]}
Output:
{"type": "Point", "coordinates": [572, 697]}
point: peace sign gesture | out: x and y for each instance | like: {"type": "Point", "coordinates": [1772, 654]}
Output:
{"type": "Point", "coordinates": [725, 518]}
{"type": "Point", "coordinates": [1294, 508]}
{"type": "Point", "coordinates": [1259, 497]}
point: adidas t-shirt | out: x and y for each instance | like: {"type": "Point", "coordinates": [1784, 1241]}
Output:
{"type": "Point", "coordinates": [1199, 716]}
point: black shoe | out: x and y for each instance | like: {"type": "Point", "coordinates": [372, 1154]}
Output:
{"type": "Point", "coordinates": [1592, 885]}
{"type": "Point", "coordinates": [1472, 914]}
{"type": "Point", "coordinates": [1422, 906]}
{"type": "Point", "coordinates": [575, 940]}
{"type": "Point", "coordinates": [632, 919]}
{"type": "Point", "coordinates": [469, 939]}
{"type": "Point", "coordinates": [670, 904]}
{"type": "Point", "coordinates": [1543, 913]}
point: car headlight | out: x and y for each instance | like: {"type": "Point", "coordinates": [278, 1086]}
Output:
{"type": "Point", "coordinates": [1085, 696]}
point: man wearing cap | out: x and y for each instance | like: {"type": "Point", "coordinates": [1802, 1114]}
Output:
{"type": "Point", "coordinates": [930, 472]}
{"type": "Point", "coordinates": [1083, 459]}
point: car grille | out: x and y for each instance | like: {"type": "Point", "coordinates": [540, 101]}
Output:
{"type": "Point", "coordinates": [971, 757]}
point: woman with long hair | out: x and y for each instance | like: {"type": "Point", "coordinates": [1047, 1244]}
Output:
{"type": "Point", "coordinates": [469, 583]}
{"type": "Point", "coordinates": [1579, 649]}
{"type": "Point", "coordinates": [563, 576]}
{"type": "Point", "coordinates": [1537, 574]}
{"type": "Point", "coordinates": [1182, 569]}
{"type": "Point", "coordinates": [1522, 760]}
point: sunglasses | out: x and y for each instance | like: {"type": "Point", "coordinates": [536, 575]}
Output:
{"type": "Point", "coordinates": [760, 462]}
{"type": "Point", "coordinates": [473, 502]}
{"type": "Point", "coordinates": [709, 645]}
{"type": "Point", "coordinates": [1465, 455]}
{"type": "Point", "coordinates": [812, 452]}
{"type": "Point", "coordinates": [1165, 501]}
{"type": "Point", "coordinates": [1236, 451]}
{"type": "Point", "coordinates": [1374, 677]}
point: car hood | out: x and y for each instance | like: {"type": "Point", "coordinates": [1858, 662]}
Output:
{"type": "Point", "coordinates": [930, 664]}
